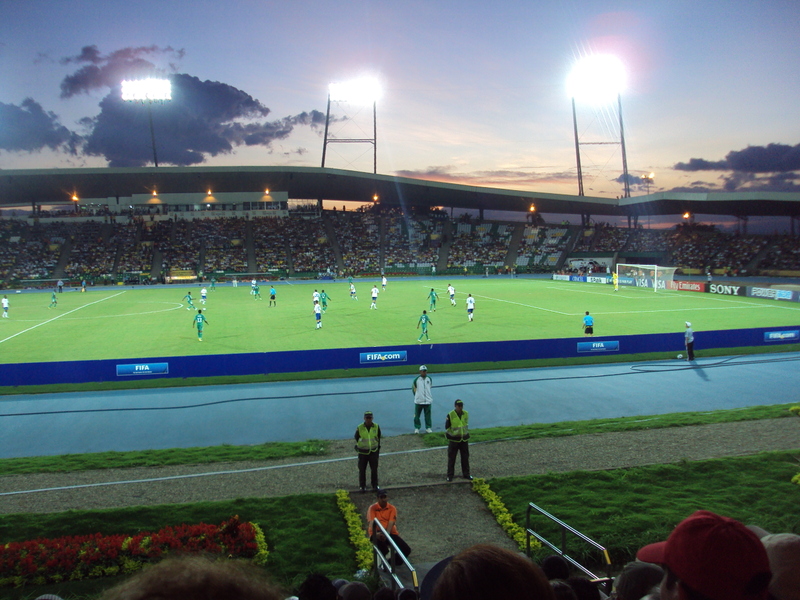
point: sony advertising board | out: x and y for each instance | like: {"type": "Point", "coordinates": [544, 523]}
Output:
{"type": "Point", "coordinates": [727, 290]}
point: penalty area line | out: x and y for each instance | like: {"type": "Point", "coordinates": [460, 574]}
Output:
{"type": "Point", "coordinates": [59, 316]}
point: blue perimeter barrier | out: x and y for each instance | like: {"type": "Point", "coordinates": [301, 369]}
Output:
{"type": "Point", "coordinates": [85, 371]}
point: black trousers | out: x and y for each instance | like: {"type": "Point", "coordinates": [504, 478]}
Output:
{"type": "Point", "coordinates": [370, 459]}
{"type": "Point", "coordinates": [383, 545]}
{"type": "Point", "coordinates": [690, 350]}
{"type": "Point", "coordinates": [454, 448]}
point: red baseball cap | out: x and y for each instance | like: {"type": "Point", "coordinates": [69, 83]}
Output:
{"type": "Point", "coordinates": [714, 555]}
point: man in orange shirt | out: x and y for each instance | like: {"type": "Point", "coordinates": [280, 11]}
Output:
{"type": "Point", "coordinates": [386, 514]}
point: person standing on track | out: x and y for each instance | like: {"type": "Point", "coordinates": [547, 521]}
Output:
{"type": "Point", "coordinates": [457, 433]}
{"type": "Point", "coordinates": [368, 446]}
{"type": "Point", "coordinates": [423, 399]}
{"type": "Point", "coordinates": [688, 339]}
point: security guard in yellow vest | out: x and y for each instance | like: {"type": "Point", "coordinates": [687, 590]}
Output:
{"type": "Point", "coordinates": [368, 446]}
{"type": "Point", "coordinates": [457, 431]}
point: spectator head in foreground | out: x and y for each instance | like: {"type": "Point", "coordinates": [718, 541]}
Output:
{"type": "Point", "coordinates": [317, 587]}
{"type": "Point", "coordinates": [783, 550]}
{"type": "Point", "coordinates": [708, 556]}
{"type": "Point", "coordinates": [637, 579]}
{"type": "Point", "coordinates": [486, 572]}
{"type": "Point", "coordinates": [555, 566]}
{"type": "Point", "coordinates": [355, 590]}
{"type": "Point", "coordinates": [196, 577]}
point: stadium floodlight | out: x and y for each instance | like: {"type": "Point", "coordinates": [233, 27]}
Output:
{"type": "Point", "coordinates": [597, 80]}
{"type": "Point", "coordinates": [143, 90]}
{"type": "Point", "coordinates": [364, 90]}
{"type": "Point", "coordinates": [148, 91]}
{"type": "Point", "coordinates": [647, 180]}
{"type": "Point", "coordinates": [361, 91]}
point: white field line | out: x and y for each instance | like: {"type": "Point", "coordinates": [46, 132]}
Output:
{"type": "Point", "coordinates": [59, 316]}
{"type": "Point", "coordinates": [740, 304]}
{"type": "Point", "coordinates": [516, 303]}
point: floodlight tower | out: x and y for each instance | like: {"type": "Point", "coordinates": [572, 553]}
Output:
{"type": "Point", "coordinates": [359, 91]}
{"type": "Point", "coordinates": [598, 79]}
{"type": "Point", "coordinates": [148, 91]}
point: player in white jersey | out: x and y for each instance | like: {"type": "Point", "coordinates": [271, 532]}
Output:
{"type": "Point", "coordinates": [374, 298]}
{"type": "Point", "coordinates": [5, 307]}
{"type": "Point", "coordinates": [353, 295]}
{"type": "Point", "coordinates": [315, 296]}
{"type": "Point", "coordinates": [452, 292]}
{"type": "Point", "coordinates": [470, 305]}
{"type": "Point", "coordinates": [383, 282]}
{"type": "Point", "coordinates": [203, 294]}
{"type": "Point", "coordinates": [318, 314]}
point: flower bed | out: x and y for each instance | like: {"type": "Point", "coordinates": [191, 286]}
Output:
{"type": "Point", "coordinates": [356, 533]}
{"type": "Point", "coordinates": [42, 561]}
{"type": "Point", "coordinates": [498, 508]}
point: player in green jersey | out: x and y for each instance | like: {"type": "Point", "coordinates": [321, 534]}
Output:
{"type": "Point", "coordinates": [423, 322]}
{"type": "Point", "coordinates": [433, 297]}
{"type": "Point", "coordinates": [188, 298]}
{"type": "Point", "coordinates": [257, 292]}
{"type": "Point", "coordinates": [199, 321]}
{"type": "Point", "coordinates": [323, 300]}
{"type": "Point", "coordinates": [53, 300]}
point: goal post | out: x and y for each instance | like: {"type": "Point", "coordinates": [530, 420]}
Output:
{"type": "Point", "coordinates": [660, 279]}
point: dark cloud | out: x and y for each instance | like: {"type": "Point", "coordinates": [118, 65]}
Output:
{"type": "Point", "coordinates": [30, 128]}
{"type": "Point", "coordinates": [204, 118]}
{"type": "Point", "coordinates": [106, 71]}
{"type": "Point", "coordinates": [773, 158]}
{"type": "Point", "coordinates": [700, 164]}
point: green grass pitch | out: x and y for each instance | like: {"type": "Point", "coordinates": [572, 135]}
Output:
{"type": "Point", "coordinates": [124, 322]}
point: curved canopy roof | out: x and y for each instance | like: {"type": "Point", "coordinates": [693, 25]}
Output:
{"type": "Point", "coordinates": [55, 186]}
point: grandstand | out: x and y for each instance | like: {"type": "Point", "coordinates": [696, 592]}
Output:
{"type": "Point", "coordinates": [361, 243]}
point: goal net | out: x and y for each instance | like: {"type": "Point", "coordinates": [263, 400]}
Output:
{"type": "Point", "coordinates": [658, 278]}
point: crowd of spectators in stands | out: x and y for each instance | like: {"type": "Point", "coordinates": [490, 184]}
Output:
{"type": "Point", "coordinates": [479, 244]}
{"type": "Point", "coordinates": [358, 235]}
{"type": "Point", "coordinates": [369, 241]}
{"type": "Point", "coordinates": [783, 255]}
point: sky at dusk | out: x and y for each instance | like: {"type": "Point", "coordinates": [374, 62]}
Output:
{"type": "Point", "coordinates": [473, 92]}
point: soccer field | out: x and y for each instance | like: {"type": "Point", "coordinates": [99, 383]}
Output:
{"type": "Point", "coordinates": [142, 322]}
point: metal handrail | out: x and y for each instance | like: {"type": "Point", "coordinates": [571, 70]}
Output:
{"type": "Point", "coordinates": [393, 552]}
{"type": "Point", "coordinates": [565, 528]}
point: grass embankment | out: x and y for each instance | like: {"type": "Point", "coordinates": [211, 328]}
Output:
{"type": "Point", "coordinates": [622, 509]}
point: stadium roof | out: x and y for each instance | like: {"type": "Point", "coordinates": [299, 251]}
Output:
{"type": "Point", "coordinates": [57, 186]}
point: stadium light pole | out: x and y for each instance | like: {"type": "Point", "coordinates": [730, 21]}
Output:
{"type": "Point", "coordinates": [598, 79]}
{"type": "Point", "coordinates": [148, 91]}
{"type": "Point", "coordinates": [647, 180]}
{"type": "Point", "coordinates": [358, 91]}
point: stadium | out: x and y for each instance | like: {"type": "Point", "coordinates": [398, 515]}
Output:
{"type": "Point", "coordinates": [125, 258]}
{"type": "Point", "coordinates": [463, 353]}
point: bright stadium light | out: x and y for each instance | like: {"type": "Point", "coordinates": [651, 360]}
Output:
{"type": "Point", "coordinates": [364, 90]}
{"type": "Point", "coordinates": [148, 91]}
{"type": "Point", "coordinates": [361, 91]}
{"type": "Point", "coordinates": [598, 80]}
{"type": "Point", "coordinates": [142, 90]}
